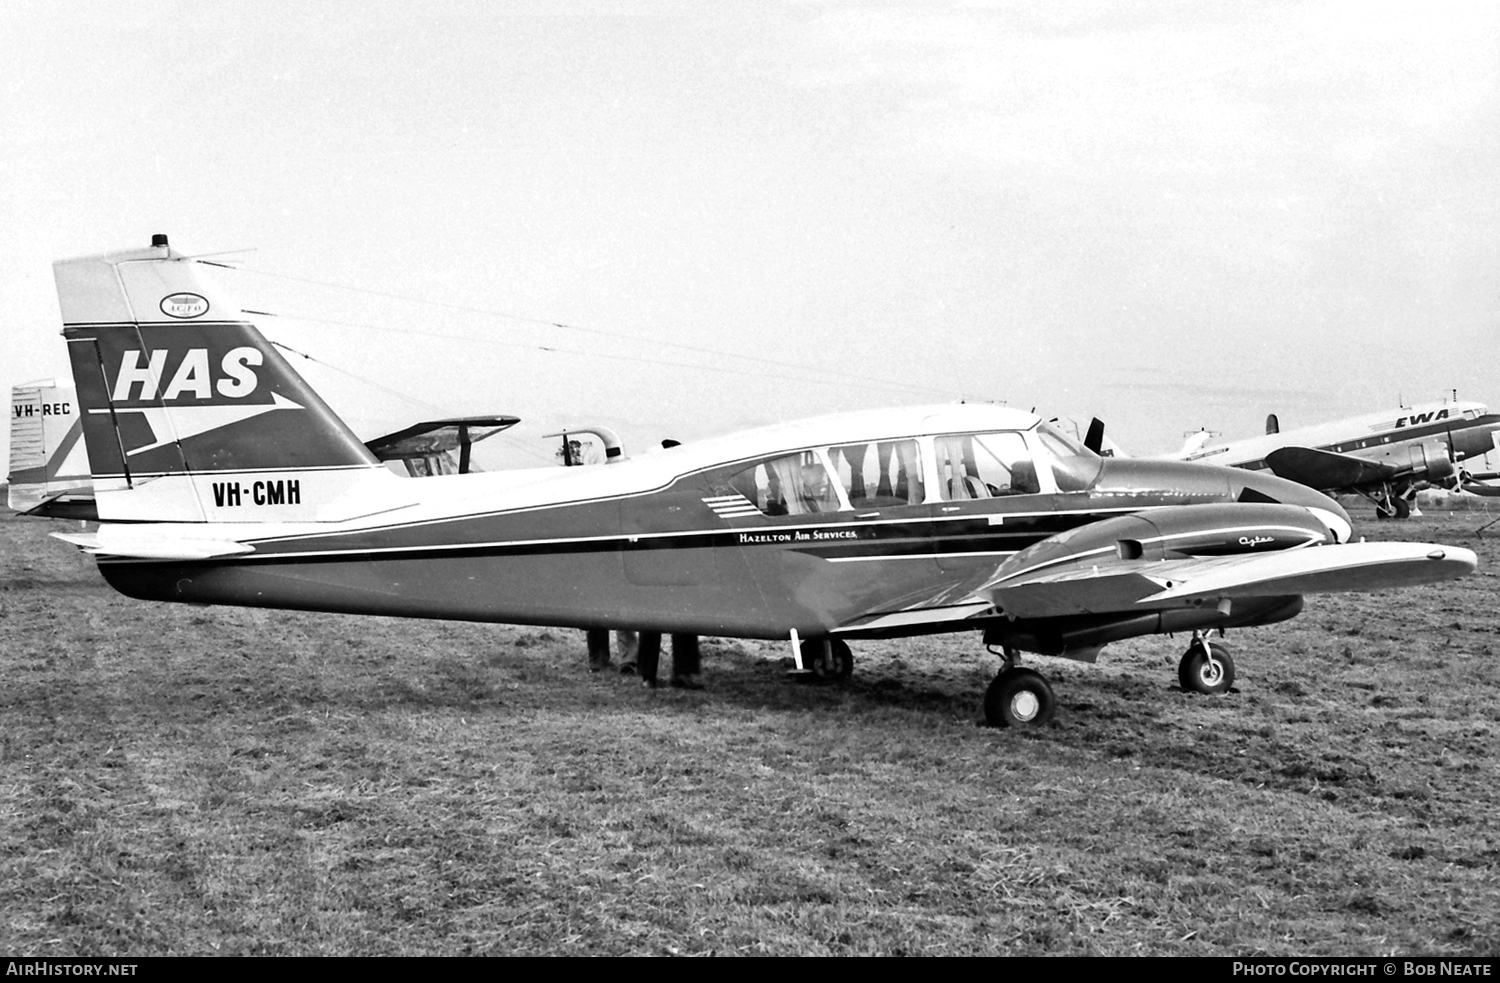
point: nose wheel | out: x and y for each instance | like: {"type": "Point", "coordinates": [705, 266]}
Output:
{"type": "Point", "coordinates": [1206, 667]}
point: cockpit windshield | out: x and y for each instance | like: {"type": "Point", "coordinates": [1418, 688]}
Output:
{"type": "Point", "coordinates": [1075, 466]}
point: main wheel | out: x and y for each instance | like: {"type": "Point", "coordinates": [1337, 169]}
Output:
{"type": "Point", "coordinates": [1394, 508]}
{"type": "Point", "coordinates": [1206, 668]}
{"type": "Point", "coordinates": [1019, 698]}
{"type": "Point", "coordinates": [828, 658]}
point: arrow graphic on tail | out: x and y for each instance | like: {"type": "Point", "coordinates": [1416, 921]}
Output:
{"type": "Point", "coordinates": [171, 423]}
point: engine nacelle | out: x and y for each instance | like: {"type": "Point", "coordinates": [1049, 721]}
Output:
{"type": "Point", "coordinates": [1179, 531]}
{"type": "Point", "coordinates": [1129, 543]}
{"type": "Point", "coordinates": [1433, 455]}
{"type": "Point", "coordinates": [1081, 639]}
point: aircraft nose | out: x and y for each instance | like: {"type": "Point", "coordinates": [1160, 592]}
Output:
{"type": "Point", "coordinates": [1480, 439]}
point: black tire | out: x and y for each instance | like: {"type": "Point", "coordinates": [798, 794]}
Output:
{"type": "Point", "coordinates": [1019, 698]}
{"type": "Point", "coordinates": [832, 663]}
{"type": "Point", "coordinates": [1394, 508]}
{"type": "Point", "coordinates": [1198, 674]}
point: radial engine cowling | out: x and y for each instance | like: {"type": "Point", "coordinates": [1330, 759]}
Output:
{"type": "Point", "coordinates": [1433, 455]}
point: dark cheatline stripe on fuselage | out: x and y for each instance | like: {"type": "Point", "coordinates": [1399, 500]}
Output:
{"type": "Point", "coordinates": [845, 540]}
{"type": "Point", "coordinates": [1447, 429]}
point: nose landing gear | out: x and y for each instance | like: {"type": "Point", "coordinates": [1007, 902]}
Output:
{"type": "Point", "coordinates": [1206, 667]}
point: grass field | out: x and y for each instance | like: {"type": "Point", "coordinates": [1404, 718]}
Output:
{"type": "Point", "coordinates": [179, 780]}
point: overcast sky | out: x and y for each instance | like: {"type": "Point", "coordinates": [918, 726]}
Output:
{"type": "Point", "coordinates": [1171, 215]}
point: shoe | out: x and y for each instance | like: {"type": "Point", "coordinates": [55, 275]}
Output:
{"type": "Point", "coordinates": [649, 683]}
{"type": "Point", "coordinates": [627, 668]}
{"type": "Point", "coordinates": [686, 682]}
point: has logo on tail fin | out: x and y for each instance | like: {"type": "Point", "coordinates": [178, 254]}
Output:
{"type": "Point", "coordinates": [192, 376]}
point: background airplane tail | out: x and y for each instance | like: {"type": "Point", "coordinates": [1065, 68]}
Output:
{"type": "Point", "coordinates": [49, 470]}
{"type": "Point", "coordinates": [189, 413]}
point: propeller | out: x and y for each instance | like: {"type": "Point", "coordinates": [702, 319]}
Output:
{"type": "Point", "coordinates": [1473, 483]}
{"type": "Point", "coordinates": [1094, 439]}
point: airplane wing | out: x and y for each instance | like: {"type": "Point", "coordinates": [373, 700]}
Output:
{"type": "Point", "coordinates": [143, 548]}
{"type": "Point", "coordinates": [1145, 585]}
{"type": "Point", "coordinates": [904, 621]}
{"type": "Point", "coordinates": [1325, 469]}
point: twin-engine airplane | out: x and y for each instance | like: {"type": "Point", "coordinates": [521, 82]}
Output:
{"type": "Point", "coordinates": [222, 478]}
{"type": "Point", "coordinates": [1384, 457]}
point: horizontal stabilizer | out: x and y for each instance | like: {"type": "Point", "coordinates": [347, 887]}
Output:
{"type": "Point", "coordinates": [1325, 469]}
{"type": "Point", "coordinates": [1195, 443]}
{"type": "Point", "coordinates": [155, 548]}
{"type": "Point", "coordinates": [80, 506]}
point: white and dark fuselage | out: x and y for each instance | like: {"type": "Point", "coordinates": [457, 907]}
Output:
{"type": "Point", "coordinates": [672, 541]}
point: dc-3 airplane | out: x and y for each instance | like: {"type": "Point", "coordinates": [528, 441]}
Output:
{"type": "Point", "coordinates": [222, 478]}
{"type": "Point", "coordinates": [1385, 457]}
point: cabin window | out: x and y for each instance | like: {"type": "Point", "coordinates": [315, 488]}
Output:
{"type": "Point", "coordinates": [431, 466]}
{"type": "Point", "coordinates": [985, 465]}
{"type": "Point", "coordinates": [879, 474]}
{"type": "Point", "coordinates": [795, 484]}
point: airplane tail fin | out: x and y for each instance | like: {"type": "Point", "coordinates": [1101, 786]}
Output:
{"type": "Point", "coordinates": [189, 413]}
{"type": "Point", "coordinates": [1194, 443]}
{"type": "Point", "coordinates": [49, 470]}
{"type": "Point", "coordinates": [1273, 425]}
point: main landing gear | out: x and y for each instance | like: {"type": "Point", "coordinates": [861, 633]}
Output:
{"type": "Point", "coordinates": [1393, 508]}
{"type": "Point", "coordinates": [1206, 667]}
{"type": "Point", "coordinates": [828, 659]}
{"type": "Point", "coordinates": [1018, 697]}
{"type": "Point", "coordinates": [1390, 504]}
